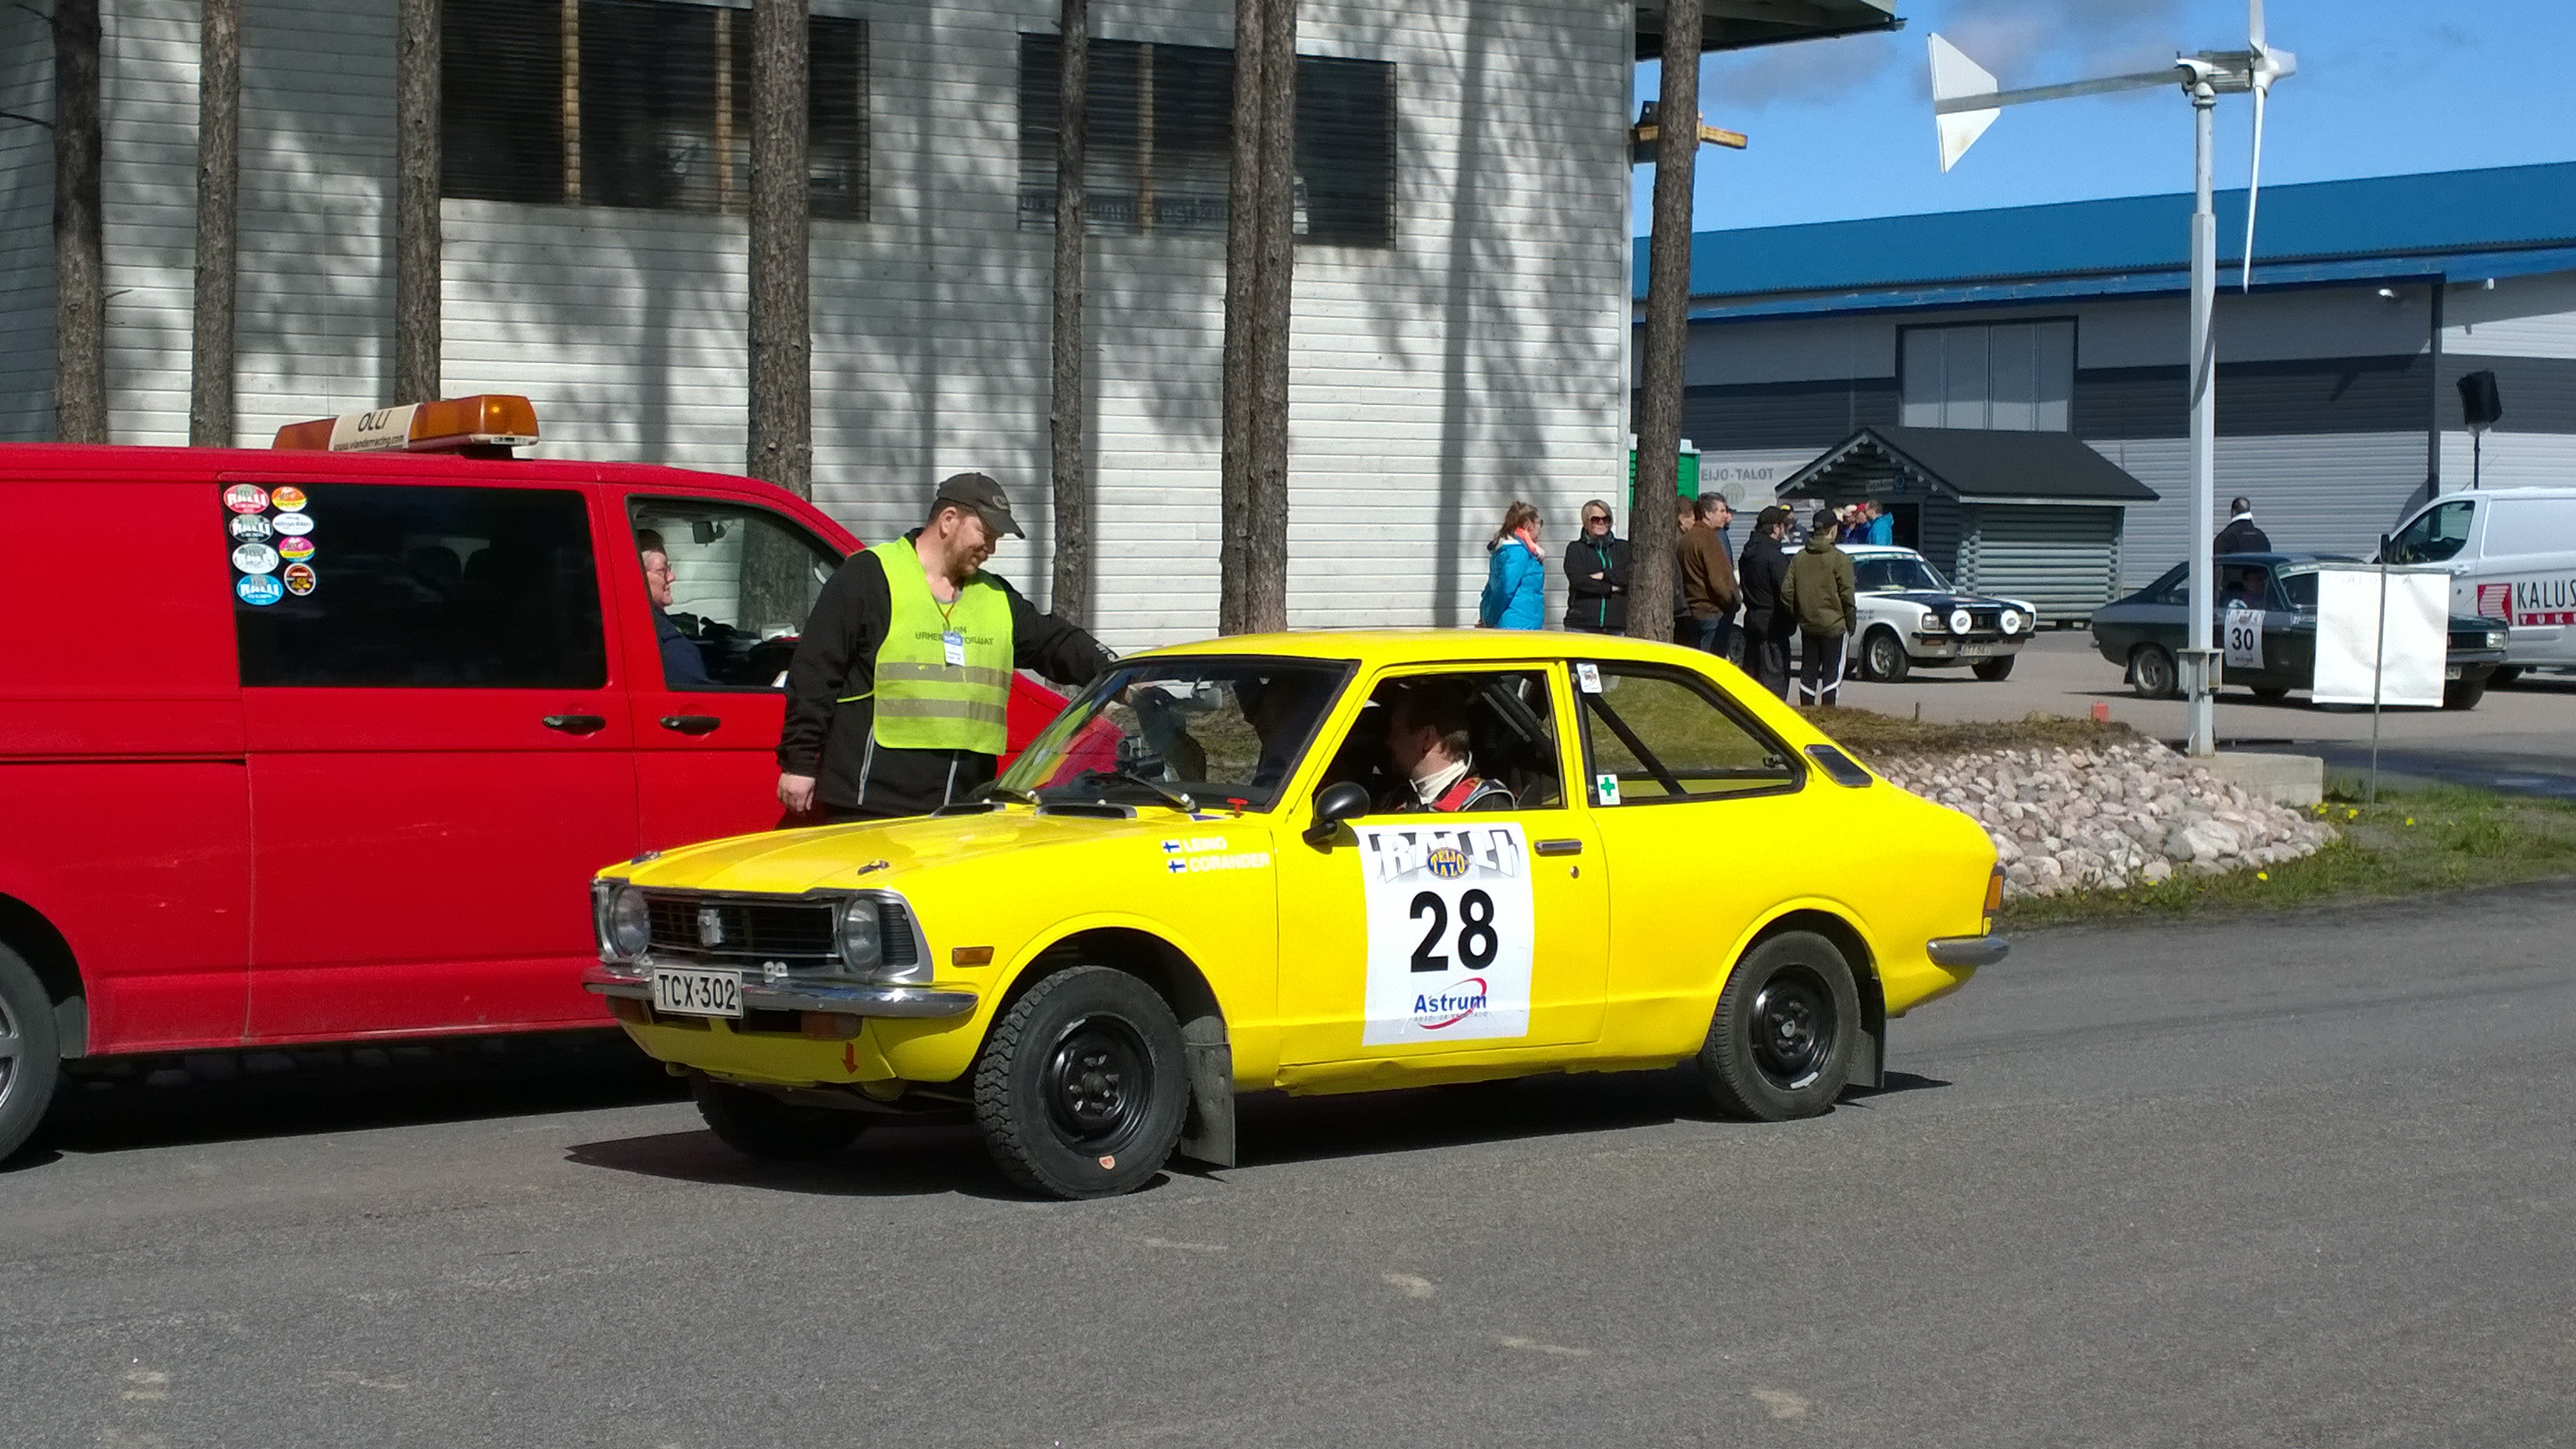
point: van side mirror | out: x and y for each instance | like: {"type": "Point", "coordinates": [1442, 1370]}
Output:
{"type": "Point", "coordinates": [2387, 549]}
{"type": "Point", "coordinates": [1345, 801]}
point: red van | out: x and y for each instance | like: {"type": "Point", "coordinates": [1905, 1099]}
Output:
{"type": "Point", "coordinates": [314, 746]}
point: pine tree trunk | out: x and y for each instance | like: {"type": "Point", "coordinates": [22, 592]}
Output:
{"type": "Point", "coordinates": [782, 346]}
{"type": "Point", "coordinates": [1066, 413]}
{"type": "Point", "coordinates": [210, 379]}
{"type": "Point", "coordinates": [1259, 256]}
{"type": "Point", "coordinates": [1651, 535]}
{"type": "Point", "coordinates": [80, 261]}
{"type": "Point", "coordinates": [416, 183]}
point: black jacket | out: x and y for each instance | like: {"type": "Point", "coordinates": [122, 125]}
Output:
{"type": "Point", "coordinates": [2241, 536]}
{"type": "Point", "coordinates": [1601, 604]}
{"type": "Point", "coordinates": [836, 658]}
{"type": "Point", "coordinates": [1758, 574]}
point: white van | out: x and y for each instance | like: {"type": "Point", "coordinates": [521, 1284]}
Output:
{"type": "Point", "coordinates": [2512, 556]}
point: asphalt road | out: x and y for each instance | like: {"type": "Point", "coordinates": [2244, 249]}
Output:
{"type": "Point", "coordinates": [2307, 1180]}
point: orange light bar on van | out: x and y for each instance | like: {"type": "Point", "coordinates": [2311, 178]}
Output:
{"type": "Point", "coordinates": [450, 425]}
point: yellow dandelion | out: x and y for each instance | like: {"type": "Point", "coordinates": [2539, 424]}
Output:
{"type": "Point", "coordinates": [2410, 819]}
{"type": "Point", "coordinates": [2262, 875]}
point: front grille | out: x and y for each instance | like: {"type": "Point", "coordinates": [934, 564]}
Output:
{"type": "Point", "coordinates": [894, 930]}
{"type": "Point", "coordinates": [791, 932]}
{"type": "Point", "coordinates": [1980, 620]}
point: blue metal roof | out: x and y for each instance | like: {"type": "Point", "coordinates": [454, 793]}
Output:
{"type": "Point", "coordinates": [2425, 224]}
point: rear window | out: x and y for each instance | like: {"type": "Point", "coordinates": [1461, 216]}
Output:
{"type": "Point", "coordinates": [2530, 525]}
{"type": "Point", "coordinates": [364, 585]}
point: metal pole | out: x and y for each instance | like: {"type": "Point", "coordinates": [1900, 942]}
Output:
{"type": "Point", "coordinates": [2378, 662]}
{"type": "Point", "coordinates": [2197, 665]}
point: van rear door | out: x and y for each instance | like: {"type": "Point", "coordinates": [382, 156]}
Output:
{"type": "Point", "coordinates": [439, 756]}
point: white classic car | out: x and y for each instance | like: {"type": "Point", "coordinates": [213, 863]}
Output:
{"type": "Point", "coordinates": [1910, 618]}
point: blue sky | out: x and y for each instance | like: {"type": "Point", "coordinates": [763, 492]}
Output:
{"type": "Point", "coordinates": [1843, 128]}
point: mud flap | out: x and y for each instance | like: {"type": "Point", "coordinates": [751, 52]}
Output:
{"type": "Point", "coordinates": [1207, 1133]}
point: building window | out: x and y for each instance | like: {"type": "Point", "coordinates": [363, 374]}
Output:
{"type": "Point", "coordinates": [2014, 377]}
{"type": "Point", "coordinates": [636, 103]}
{"type": "Point", "coordinates": [1161, 129]}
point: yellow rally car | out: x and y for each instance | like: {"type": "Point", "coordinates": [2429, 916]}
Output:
{"type": "Point", "coordinates": [1326, 862]}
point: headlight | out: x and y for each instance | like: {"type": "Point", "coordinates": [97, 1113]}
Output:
{"type": "Point", "coordinates": [1931, 623]}
{"type": "Point", "coordinates": [1960, 623]}
{"type": "Point", "coordinates": [2011, 621]}
{"type": "Point", "coordinates": [862, 942]}
{"type": "Point", "coordinates": [2495, 638]}
{"type": "Point", "coordinates": [625, 927]}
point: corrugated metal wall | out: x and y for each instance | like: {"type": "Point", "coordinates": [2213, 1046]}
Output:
{"type": "Point", "coordinates": [26, 228]}
{"type": "Point", "coordinates": [2323, 494]}
{"type": "Point", "coordinates": [2065, 560]}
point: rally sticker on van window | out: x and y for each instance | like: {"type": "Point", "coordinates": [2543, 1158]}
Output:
{"type": "Point", "coordinates": [255, 558]}
{"type": "Point", "coordinates": [288, 498]}
{"type": "Point", "coordinates": [1450, 932]}
{"type": "Point", "coordinates": [299, 579]}
{"type": "Point", "coordinates": [246, 498]}
{"type": "Point", "coordinates": [247, 525]}
{"type": "Point", "coordinates": [294, 549]}
{"type": "Point", "coordinates": [295, 523]}
{"type": "Point", "coordinates": [259, 589]}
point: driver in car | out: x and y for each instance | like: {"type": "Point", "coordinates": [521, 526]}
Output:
{"type": "Point", "coordinates": [1427, 741]}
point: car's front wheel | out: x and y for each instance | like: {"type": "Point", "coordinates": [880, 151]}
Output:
{"type": "Point", "coordinates": [2463, 693]}
{"type": "Point", "coordinates": [2152, 673]}
{"type": "Point", "coordinates": [1082, 1087]}
{"type": "Point", "coordinates": [1882, 657]}
{"type": "Point", "coordinates": [756, 1124]}
{"type": "Point", "coordinates": [1788, 1025]}
{"type": "Point", "coordinates": [1991, 670]}
{"type": "Point", "coordinates": [30, 1056]}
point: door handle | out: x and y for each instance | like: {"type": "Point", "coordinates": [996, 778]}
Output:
{"type": "Point", "coordinates": [576, 724]}
{"type": "Point", "coordinates": [1557, 847]}
{"type": "Point", "coordinates": [691, 724]}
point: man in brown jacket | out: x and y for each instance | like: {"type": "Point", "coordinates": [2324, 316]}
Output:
{"type": "Point", "coordinates": [1818, 594]}
{"type": "Point", "coordinates": [1708, 577]}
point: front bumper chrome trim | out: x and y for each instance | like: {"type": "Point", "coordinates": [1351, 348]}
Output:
{"type": "Point", "coordinates": [1968, 950]}
{"type": "Point", "coordinates": [898, 1001]}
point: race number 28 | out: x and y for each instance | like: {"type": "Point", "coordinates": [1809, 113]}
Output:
{"type": "Point", "coordinates": [1476, 942]}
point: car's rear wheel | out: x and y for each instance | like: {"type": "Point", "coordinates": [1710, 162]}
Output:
{"type": "Point", "coordinates": [756, 1124]}
{"type": "Point", "coordinates": [1082, 1087]}
{"type": "Point", "coordinates": [2152, 673]}
{"type": "Point", "coordinates": [1991, 670]}
{"type": "Point", "coordinates": [1882, 657]}
{"type": "Point", "coordinates": [31, 1059]}
{"type": "Point", "coordinates": [1787, 1027]}
{"type": "Point", "coordinates": [2464, 693]}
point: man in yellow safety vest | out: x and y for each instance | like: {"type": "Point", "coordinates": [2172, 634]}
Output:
{"type": "Point", "coordinates": [898, 692]}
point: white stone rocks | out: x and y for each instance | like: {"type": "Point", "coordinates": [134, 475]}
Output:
{"type": "Point", "coordinates": [2133, 813]}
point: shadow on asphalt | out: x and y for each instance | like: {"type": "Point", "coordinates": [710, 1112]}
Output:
{"type": "Point", "coordinates": [231, 1096]}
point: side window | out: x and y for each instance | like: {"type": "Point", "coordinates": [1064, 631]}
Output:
{"type": "Point", "coordinates": [2300, 589]}
{"type": "Point", "coordinates": [2173, 588]}
{"type": "Point", "coordinates": [2435, 536]}
{"type": "Point", "coordinates": [367, 585]}
{"type": "Point", "coordinates": [1875, 576]}
{"type": "Point", "coordinates": [2246, 586]}
{"type": "Point", "coordinates": [1651, 737]}
{"type": "Point", "coordinates": [1417, 732]}
{"type": "Point", "coordinates": [730, 588]}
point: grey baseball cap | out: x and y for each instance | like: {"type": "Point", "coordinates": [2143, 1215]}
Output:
{"type": "Point", "coordinates": [982, 494]}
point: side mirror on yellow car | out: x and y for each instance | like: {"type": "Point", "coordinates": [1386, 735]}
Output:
{"type": "Point", "coordinates": [1333, 805]}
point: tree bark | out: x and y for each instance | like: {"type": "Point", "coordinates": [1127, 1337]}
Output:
{"type": "Point", "coordinates": [416, 184]}
{"type": "Point", "coordinates": [1651, 535]}
{"type": "Point", "coordinates": [80, 259]}
{"type": "Point", "coordinates": [1259, 254]}
{"type": "Point", "coordinates": [210, 377]}
{"type": "Point", "coordinates": [1066, 414]}
{"type": "Point", "coordinates": [782, 344]}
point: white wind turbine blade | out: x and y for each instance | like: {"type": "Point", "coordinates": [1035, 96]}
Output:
{"type": "Point", "coordinates": [2269, 65]}
{"type": "Point", "coordinates": [1955, 77]}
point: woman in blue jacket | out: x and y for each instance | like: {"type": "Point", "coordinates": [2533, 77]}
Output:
{"type": "Point", "coordinates": [1516, 578]}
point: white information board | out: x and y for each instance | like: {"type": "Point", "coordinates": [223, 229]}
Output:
{"type": "Point", "coordinates": [1449, 931]}
{"type": "Point", "coordinates": [2407, 656]}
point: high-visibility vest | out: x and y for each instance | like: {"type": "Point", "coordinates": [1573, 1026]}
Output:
{"type": "Point", "coordinates": [923, 702]}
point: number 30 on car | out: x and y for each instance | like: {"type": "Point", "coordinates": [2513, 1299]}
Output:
{"type": "Point", "coordinates": [1322, 863]}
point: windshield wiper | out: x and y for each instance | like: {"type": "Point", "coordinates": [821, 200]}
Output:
{"type": "Point", "coordinates": [996, 790]}
{"type": "Point", "coordinates": [1178, 800]}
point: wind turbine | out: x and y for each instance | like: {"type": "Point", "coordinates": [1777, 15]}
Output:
{"type": "Point", "coordinates": [1966, 100]}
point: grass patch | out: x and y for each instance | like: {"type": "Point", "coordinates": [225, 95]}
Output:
{"type": "Point", "coordinates": [2435, 839]}
{"type": "Point", "coordinates": [1877, 737]}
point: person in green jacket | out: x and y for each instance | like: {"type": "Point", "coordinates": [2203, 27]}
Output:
{"type": "Point", "coordinates": [1818, 594]}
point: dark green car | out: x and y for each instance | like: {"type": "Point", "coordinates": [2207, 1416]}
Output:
{"type": "Point", "coordinates": [2145, 632]}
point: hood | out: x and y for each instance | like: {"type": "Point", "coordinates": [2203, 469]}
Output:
{"type": "Point", "coordinates": [1818, 543]}
{"type": "Point", "coordinates": [831, 856]}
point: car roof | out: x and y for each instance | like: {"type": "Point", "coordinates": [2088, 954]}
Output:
{"type": "Point", "coordinates": [1378, 647]}
{"type": "Point", "coordinates": [1883, 550]}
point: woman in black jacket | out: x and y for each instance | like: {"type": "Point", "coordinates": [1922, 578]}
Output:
{"type": "Point", "coordinates": [1596, 575]}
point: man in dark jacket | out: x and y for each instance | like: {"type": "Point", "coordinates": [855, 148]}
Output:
{"type": "Point", "coordinates": [897, 693]}
{"type": "Point", "coordinates": [1818, 593]}
{"type": "Point", "coordinates": [1596, 575]}
{"type": "Point", "coordinates": [1758, 574]}
{"type": "Point", "coordinates": [2240, 535]}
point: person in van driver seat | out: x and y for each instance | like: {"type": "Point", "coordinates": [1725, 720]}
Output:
{"type": "Point", "coordinates": [1427, 741]}
{"type": "Point", "coordinates": [897, 693]}
{"type": "Point", "coordinates": [682, 664]}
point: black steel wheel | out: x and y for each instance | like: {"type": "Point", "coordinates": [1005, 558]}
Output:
{"type": "Point", "coordinates": [1082, 1088]}
{"type": "Point", "coordinates": [2463, 693]}
{"type": "Point", "coordinates": [30, 1055]}
{"type": "Point", "coordinates": [757, 1124]}
{"type": "Point", "coordinates": [1991, 670]}
{"type": "Point", "coordinates": [1787, 1028]}
{"type": "Point", "coordinates": [1882, 657]}
{"type": "Point", "coordinates": [2152, 673]}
